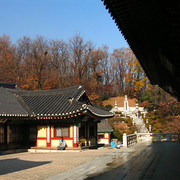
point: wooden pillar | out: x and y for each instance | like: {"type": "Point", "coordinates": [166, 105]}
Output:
{"type": "Point", "coordinates": [77, 132]}
{"type": "Point", "coordinates": [48, 129]}
{"type": "Point", "coordinates": [96, 134]}
{"type": "Point", "coordinates": [5, 134]}
{"type": "Point", "coordinates": [76, 135]}
{"type": "Point", "coordinates": [8, 134]}
{"type": "Point", "coordinates": [87, 131]}
{"type": "Point", "coordinates": [137, 136]}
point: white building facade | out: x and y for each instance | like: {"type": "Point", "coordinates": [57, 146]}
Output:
{"type": "Point", "coordinates": [129, 110]}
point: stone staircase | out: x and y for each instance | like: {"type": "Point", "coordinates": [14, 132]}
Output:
{"type": "Point", "coordinates": [139, 123]}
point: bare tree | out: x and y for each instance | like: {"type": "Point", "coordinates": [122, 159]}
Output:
{"type": "Point", "coordinates": [80, 55]}
{"type": "Point", "coordinates": [59, 58]}
{"type": "Point", "coordinates": [119, 67]}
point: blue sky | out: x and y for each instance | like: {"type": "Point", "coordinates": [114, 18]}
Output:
{"type": "Point", "coordinates": [60, 19]}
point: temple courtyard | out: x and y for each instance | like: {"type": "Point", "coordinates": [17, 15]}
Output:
{"type": "Point", "coordinates": [140, 161]}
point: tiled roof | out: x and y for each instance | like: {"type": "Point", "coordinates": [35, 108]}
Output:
{"type": "Point", "coordinates": [104, 126]}
{"type": "Point", "coordinates": [9, 104]}
{"type": "Point", "coordinates": [8, 85]}
{"type": "Point", "coordinates": [98, 111]}
{"type": "Point", "coordinates": [51, 102]}
{"type": "Point", "coordinates": [47, 103]}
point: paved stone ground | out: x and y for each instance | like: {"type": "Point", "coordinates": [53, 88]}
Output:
{"type": "Point", "coordinates": [37, 166]}
{"type": "Point", "coordinates": [157, 161]}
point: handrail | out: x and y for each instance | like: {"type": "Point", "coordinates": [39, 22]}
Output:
{"type": "Point", "coordinates": [142, 137]}
{"type": "Point", "coordinates": [129, 139]}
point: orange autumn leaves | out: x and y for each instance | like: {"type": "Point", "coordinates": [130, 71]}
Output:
{"type": "Point", "coordinates": [128, 73]}
{"type": "Point", "coordinates": [36, 64]}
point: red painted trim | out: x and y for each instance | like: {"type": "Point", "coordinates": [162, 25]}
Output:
{"type": "Point", "coordinates": [54, 131]}
{"type": "Point", "coordinates": [74, 144]}
{"type": "Point", "coordinates": [46, 136]}
{"type": "Point", "coordinates": [73, 137]}
{"type": "Point", "coordinates": [58, 138]}
{"type": "Point", "coordinates": [36, 135]}
{"type": "Point", "coordinates": [105, 138]}
{"type": "Point", "coordinates": [69, 131]}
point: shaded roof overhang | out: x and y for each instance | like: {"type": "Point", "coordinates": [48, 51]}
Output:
{"type": "Point", "coordinates": [152, 30]}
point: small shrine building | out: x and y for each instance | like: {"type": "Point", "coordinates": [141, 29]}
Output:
{"type": "Point", "coordinates": [41, 118]}
{"type": "Point", "coordinates": [104, 132]}
{"type": "Point", "coordinates": [128, 106]}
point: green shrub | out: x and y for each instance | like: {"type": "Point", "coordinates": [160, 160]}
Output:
{"type": "Point", "coordinates": [108, 106]}
{"type": "Point", "coordinates": [117, 134]}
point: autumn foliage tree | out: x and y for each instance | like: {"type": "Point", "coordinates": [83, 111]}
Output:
{"type": "Point", "coordinates": [129, 77]}
{"type": "Point", "coordinates": [59, 63]}
{"type": "Point", "coordinates": [164, 110]}
{"type": "Point", "coordinates": [119, 67]}
{"type": "Point", "coordinates": [36, 64]}
{"type": "Point", "coordinates": [8, 66]}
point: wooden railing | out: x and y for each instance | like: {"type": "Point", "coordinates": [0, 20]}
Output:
{"type": "Point", "coordinates": [129, 139]}
{"type": "Point", "coordinates": [144, 137]}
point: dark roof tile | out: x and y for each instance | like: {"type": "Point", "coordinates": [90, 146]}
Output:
{"type": "Point", "coordinates": [98, 111]}
{"type": "Point", "coordinates": [8, 85]}
{"type": "Point", "coordinates": [49, 102]}
{"type": "Point", "coordinates": [104, 126]}
{"type": "Point", "coordinates": [9, 104]}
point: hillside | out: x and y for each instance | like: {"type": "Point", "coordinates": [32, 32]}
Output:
{"type": "Point", "coordinates": [120, 101]}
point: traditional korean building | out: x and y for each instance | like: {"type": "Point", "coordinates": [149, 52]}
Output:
{"type": "Point", "coordinates": [127, 106]}
{"type": "Point", "coordinates": [40, 118]}
{"type": "Point", "coordinates": [104, 132]}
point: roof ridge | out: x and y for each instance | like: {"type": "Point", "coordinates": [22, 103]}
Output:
{"type": "Point", "coordinates": [24, 105]}
{"type": "Point", "coordinates": [77, 94]}
{"type": "Point", "coordinates": [48, 92]}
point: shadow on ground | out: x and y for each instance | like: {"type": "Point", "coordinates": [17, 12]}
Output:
{"type": "Point", "coordinates": [15, 164]}
{"type": "Point", "coordinates": [158, 161]}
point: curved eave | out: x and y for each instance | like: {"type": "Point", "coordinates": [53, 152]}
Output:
{"type": "Point", "coordinates": [105, 114]}
{"type": "Point", "coordinates": [60, 116]}
{"type": "Point", "coordinates": [67, 113]}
